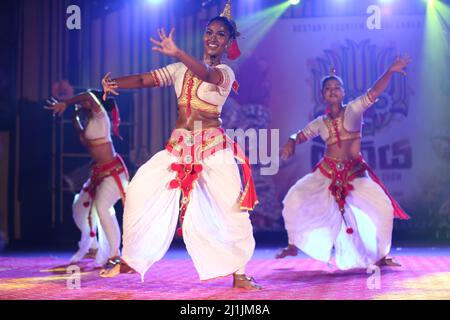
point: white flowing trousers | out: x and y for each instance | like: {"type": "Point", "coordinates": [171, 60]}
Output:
{"type": "Point", "coordinates": [218, 235]}
{"type": "Point", "coordinates": [103, 220]}
{"type": "Point", "coordinates": [315, 225]}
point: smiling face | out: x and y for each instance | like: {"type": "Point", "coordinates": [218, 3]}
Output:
{"type": "Point", "coordinates": [333, 91]}
{"type": "Point", "coordinates": [216, 39]}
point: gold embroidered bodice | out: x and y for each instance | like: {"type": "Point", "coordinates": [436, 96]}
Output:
{"type": "Point", "coordinates": [189, 98]}
{"type": "Point", "coordinates": [337, 131]}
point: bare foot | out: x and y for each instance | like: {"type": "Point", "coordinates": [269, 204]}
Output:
{"type": "Point", "coordinates": [111, 268]}
{"type": "Point", "coordinates": [125, 268]}
{"type": "Point", "coordinates": [241, 281]}
{"type": "Point", "coordinates": [110, 273]}
{"type": "Point", "coordinates": [114, 267]}
{"type": "Point", "coordinates": [290, 250]}
{"type": "Point", "coordinates": [389, 262]}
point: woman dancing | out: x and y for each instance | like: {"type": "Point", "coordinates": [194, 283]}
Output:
{"type": "Point", "coordinates": [341, 204]}
{"type": "Point", "coordinates": [108, 180]}
{"type": "Point", "coordinates": [195, 181]}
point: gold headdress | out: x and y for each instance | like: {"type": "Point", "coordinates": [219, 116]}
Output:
{"type": "Point", "coordinates": [333, 74]}
{"type": "Point", "coordinates": [227, 11]}
{"type": "Point", "coordinates": [233, 51]}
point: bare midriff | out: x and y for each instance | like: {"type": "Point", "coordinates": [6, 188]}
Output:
{"type": "Point", "coordinates": [348, 150]}
{"type": "Point", "coordinates": [207, 119]}
{"type": "Point", "coordinates": [103, 153]}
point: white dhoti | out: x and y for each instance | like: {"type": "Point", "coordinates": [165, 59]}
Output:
{"type": "Point", "coordinates": [315, 225]}
{"type": "Point", "coordinates": [342, 204]}
{"type": "Point", "coordinates": [217, 233]}
{"type": "Point", "coordinates": [103, 218]}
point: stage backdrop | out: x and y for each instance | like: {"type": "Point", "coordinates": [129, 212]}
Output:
{"type": "Point", "coordinates": [402, 140]}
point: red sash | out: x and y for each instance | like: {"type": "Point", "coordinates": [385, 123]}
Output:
{"type": "Point", "coordinates": [100, 172]}
{"type": "Point", "coordinates": [342, 172]}
{"type": "Point", "coordinates": [191, 148]}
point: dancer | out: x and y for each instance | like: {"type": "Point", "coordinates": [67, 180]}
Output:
{"type": "Point", "coordinates": [341, 204]}
{"type": "Point", "coordinates": [108, 180]}
{"type": "Point", "coordinates": [195, 181]}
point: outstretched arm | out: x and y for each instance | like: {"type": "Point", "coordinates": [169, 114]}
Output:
{"type": "Point", "coordinates": [77, 122]}
{"type": "Point", "coordinates": [136, 81]}
{"type": "Point", "coordinates": [380, 85]}
{"type": "Point", "coordinates": [311, 131]}
{"type": "Point", "coordinates": [78, 126]}
{"type": "Point", "coordinates": [58, 107]}
{"type": "Point", "coordinates": [168, 47]}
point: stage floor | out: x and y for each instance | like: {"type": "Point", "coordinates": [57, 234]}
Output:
{"type": "Point", "coordinates": [425, 274]}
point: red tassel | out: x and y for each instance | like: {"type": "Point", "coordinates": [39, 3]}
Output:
{"type": "Point", "coordinates": [180, 232]}
{"type": "Point", "coordinates": [233, 51]}
{"type": "Point", "coordinates": [176, 167]}
{"type": "Point", "coordinates": [174, 184]}
{"type": "Point", "coordinates": [92, 234]}
{"type": "Point", "coordinates": [116, 121]}
{"type": "Point", "coordinates": [235, 86]}
{"type": "Point", "coordinates": [86, 204]}
{"type": "Point", "coordinates": [349, 230]}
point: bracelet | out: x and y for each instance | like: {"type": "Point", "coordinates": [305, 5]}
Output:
{"type": "Point", "coordinates": [369, 96]}
{"type": "Point", "coordinates": [293, 137]}
{"type": "Point", "coordinates": [155, 78]}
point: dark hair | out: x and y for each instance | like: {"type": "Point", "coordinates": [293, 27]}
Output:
{"type": "Point", "coordinates": [229, 24]}
{"type": "Point", "coordinates": [328, 78]}
{"type": "Point", "coordinates": [108, 104]}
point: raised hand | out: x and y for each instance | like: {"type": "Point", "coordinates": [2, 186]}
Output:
{"type": "Point", "coordinates": [400, 63]}
{"type": "Point", "coordinates": [109, 86]}
{"type": "Point", "coordinates": [56, 106]}
{"type": "Point", "coordinates": [167, 45]}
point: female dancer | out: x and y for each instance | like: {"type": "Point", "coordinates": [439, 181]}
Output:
{"type": "Point", "coordinates": [341, 204]}
{"type": "Point", "coordinates": [108, 180]}
{"type": "Point", "coordinates": [195, 181]}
